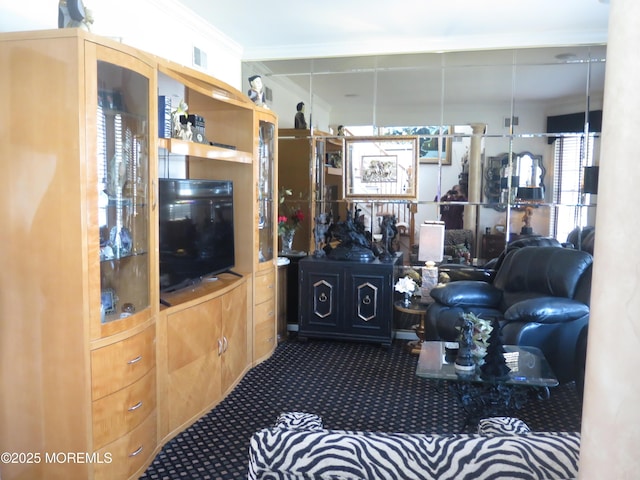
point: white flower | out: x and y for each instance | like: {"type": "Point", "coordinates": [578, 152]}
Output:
{"type": "Point", "coordinates": [405, 285]}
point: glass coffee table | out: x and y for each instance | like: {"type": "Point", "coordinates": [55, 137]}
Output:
{"type": "Point", "coordinates": [530, 376]}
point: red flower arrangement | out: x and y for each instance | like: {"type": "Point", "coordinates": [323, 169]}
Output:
{"type": "Point", "coordinates": [289, 223]}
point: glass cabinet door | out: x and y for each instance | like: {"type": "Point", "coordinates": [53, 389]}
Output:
{"type": "Point", "coordinates": [265, 191]}
{"type": "Point", "coordinates": [123, 193]}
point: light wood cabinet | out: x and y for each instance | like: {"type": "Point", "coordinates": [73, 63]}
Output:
{"type": "Point", "coordinates": [96, 366]}
{"type": "Point", "coordinates": [206, 352]}
{"type": "Point", "coordinates": [78, 268]}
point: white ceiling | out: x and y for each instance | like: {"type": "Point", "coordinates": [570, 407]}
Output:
{"type": "Point", "coordinates": [278, 29]}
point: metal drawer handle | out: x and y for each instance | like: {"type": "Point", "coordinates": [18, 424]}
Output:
{"type": "Point", "coordinates": [323, 297]}
{"type": "Point", "coordinates": [134, 360]}
{"type": "Point", "coordinates": [135, 407]}
{"type": "Point", "coordinates": [225, 344]}
{"type": "Point", "coordinates": [219, 347]}
{"type": "Point", "coordinates": [136, 451]}
{"type": "Point", "coordinates": [366, 300]}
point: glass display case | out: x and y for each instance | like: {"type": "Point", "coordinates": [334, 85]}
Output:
{"type": "Point", "coordinates": [122, 158]}
{"type": "Point", "coordinates": [266, 157]}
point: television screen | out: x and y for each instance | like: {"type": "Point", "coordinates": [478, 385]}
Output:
{"type": "Point", "coordinates": [195, 232]}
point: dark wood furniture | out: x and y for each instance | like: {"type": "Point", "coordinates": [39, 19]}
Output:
{"type": "Point", "coordinates": [347, 300]}
{"type": "Point", "coordinates": [493, 245]}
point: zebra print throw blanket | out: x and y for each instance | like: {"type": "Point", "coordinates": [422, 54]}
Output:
{"type": "Point", "coordinates": [291, 451]}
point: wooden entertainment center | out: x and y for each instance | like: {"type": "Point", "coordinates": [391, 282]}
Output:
{"type": "Point", "coordinates": [93, 364]}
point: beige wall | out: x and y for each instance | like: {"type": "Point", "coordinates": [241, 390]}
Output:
{"type": "Point", "coordinates": [611, 412]}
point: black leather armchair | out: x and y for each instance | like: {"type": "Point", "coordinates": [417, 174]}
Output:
{"type": "Point", "coordinates": [488, 271]}
{"type": "Point", "coordinates": [539, 296]}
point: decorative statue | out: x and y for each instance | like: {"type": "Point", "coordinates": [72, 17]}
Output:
{"type": "Point", "coordinates": [73, 14]}
{"type": "Point", "coordinates": [389, 232]}
{"type": "Point", "coordinates": [300, 121]}
{"type": "Point", "coordinates": [178, 127]}
{"type": "Point", "coordinates": [323, 223]}
{"type": "Point", "coordinates": [354, 244]}
{"type": "Point", "coordinates": [256, 92]}
{"type": "Point", "coordinates": [464, 360]}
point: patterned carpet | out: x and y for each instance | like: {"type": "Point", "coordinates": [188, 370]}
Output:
{"type": "Point", "coordinates": [352, 386]}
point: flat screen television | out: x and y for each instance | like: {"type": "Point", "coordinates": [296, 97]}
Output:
{"type": "Point", "coordinates": [196, 237]}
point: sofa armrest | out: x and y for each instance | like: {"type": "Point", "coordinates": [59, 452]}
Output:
{"type": "Point", "coordinates": [467, 293]}
{"type": "Point", "coordinates": [457, 273]}
{"type": "Point", "coordinates": [299, 420]}
{"type": "Point", "coordinates": [546, 310]}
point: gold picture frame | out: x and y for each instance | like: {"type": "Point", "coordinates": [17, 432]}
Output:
{"type": "Point", "coordinates": [381, 167]}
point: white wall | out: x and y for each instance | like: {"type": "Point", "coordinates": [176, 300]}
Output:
{"type": "Point", "coordinates": [167, 30]}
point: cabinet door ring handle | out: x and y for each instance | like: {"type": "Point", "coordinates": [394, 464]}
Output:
{"type": "Point", "coordinates": [322, 297]}
{"type": "Point", "coordinates": [135, 407]}
{"type": "Point", "coordinates": [366, 300]}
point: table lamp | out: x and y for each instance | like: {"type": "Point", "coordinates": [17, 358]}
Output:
{"type": "Point", "coordinates": [430, 251]}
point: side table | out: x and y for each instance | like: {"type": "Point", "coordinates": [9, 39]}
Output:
{"type": "Point", "coordinates": [415, 308]}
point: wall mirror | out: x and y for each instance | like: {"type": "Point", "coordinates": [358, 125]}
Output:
{"type": "Point", "coordinates": [526, 169]}
{"type": "Point", "coordinates": [381, 167]}
{"type": "Point", "coordinates": [530, 170]}
{"type": "Point", "coordinates": [511, 92]}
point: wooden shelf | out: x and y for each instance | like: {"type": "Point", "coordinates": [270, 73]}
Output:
{"type": "Point", "coordinates": [333, 171]}
{"type": "Point", "coordinates": [182, 147]}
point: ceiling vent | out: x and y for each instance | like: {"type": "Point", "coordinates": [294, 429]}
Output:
{"type": "Point", "coordinates": [199, 58]}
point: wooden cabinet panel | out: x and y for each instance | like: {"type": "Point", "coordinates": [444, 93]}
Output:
{"type": "Point", "coordinates": [128, 453]}
{"type": "Point", "coordinates": [120, 364]}
{"type": "Point", "coordinates": [118, 413]}
{"type": "Point", "coordinates": [234, 335]}
{"type": "Point", "coordinates": [193, 333]}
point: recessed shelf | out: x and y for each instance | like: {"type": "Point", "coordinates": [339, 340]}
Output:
{"type": "Point", "coordinates": [183, 147]}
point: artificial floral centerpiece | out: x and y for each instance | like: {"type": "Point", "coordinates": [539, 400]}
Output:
{"type": "Point", "coordinates": [406, 285]}
{"type": "Point", "coordinates": [288, 223]}
{"type": "Point", "coordinates": [479, 333]}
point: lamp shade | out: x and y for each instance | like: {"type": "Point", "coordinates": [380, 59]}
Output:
{"type": "Point", "coordinates": [530, 193]}
{"type": "Point", "coordinates": [431, 245]}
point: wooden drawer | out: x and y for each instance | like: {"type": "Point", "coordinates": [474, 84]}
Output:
{"type": "Point", "coordinates": [120, 364]}
{"type": "Point", "coordinates": [265, 287]}
{"type": "Point", "coordinates": [128, 453]}
{"type": "Point", "coordinates": [117, 414]}
{"type": "Point", "coordinates": [265, 312]}
{"type": "Point", "coordinates": [265, 338]}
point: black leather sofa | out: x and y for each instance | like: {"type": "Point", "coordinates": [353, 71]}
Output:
{"type": "Point", "coordinates": [539, 296]}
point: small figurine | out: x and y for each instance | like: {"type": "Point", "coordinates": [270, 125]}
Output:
{"type": "Point", "coordinates": [323, 222]}
{"type": "Point", "coordinates": [256, 92]}
{"type": "Point", "coordinates": [300, 121]}
{"type": "Point", "coordinates": [73, 14]}
{"type": "Point", "coordinates": [341, 130]}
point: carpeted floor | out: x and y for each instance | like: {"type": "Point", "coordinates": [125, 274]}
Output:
{"type": "Point", "coordinates": [352, 386]}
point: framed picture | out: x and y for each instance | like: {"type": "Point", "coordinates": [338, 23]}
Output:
{"type": "Point", "coordinates": [435, 145]}
{"type": "Point", "coordinates": [381, 167]}
{"type": "Point", "coordinates": [376, 168]}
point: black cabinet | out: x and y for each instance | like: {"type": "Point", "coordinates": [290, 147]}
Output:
{"type": "Point", "coordinates": [347, 300]}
